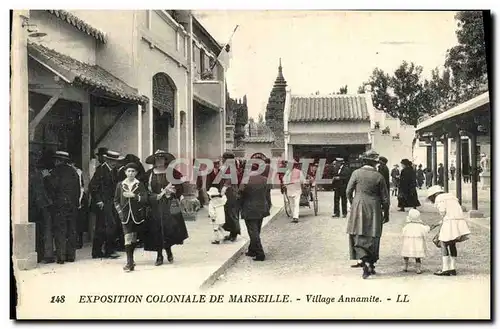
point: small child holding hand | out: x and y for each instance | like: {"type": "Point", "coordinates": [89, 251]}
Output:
{"type": "Point", "coordinates": [216, 212]}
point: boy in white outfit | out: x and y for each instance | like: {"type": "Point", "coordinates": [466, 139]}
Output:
{"type": "Point", "coordinates": [293, 181]}
{"type": "Point", "coordinates": [216, 212]}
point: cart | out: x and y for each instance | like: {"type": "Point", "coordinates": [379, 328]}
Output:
{"type": "Point", "coordinates": [308, 198]}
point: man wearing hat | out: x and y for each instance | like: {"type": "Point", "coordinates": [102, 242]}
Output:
{"type": "Point", "coordinates": [339, 184]}
{"type": "Point", "coordinates": [40, 206]}
{"type": "Point", "coordinates": [395, 179]}
{"type": "Point", "coordinates": [102, 189]}
{"type": "Point", "coordinates": [65, 187]}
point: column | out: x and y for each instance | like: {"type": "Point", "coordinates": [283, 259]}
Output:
{"type": "Point", "coordinates": [139, 131]}
{"type": "Point", "coordinates": [24, 254]}
{"type": "Point", "coordinates": [86, 135]}
{"type": "Point", "coordinates": [458, 161]}
{"type": "Point", "coordinates": [445, 163]}
{"type": "Point", "coordinates": [474, 171]}
{"type": "Point", "coordinates": [434, 161]}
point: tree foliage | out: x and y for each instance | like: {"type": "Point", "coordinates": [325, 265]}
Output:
{"type": "Point", "coordinates": [409, 97]}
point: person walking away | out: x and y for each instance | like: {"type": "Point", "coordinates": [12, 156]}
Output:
{"type": "Point", "coordinates": [414, 240]}
{"type": "Point", "coordinates": [255, 205]}
{"type": "Point", "coordinates": [40, 206]}
{"type": "Point", "coordinates": [368, 194]}
{"type": "Point", "coordinates": [408, 196]}
{"type": "Point", "coordinates": [293, 181]}
{"type": "Point", "coordinates": [428, 177]}
{"type": "Point", "coordinates": [65, 187]}
{"type": "Point", "coordinates": [420, 176]}
{"type": "Point", "coordinates": [340, 180]}
{"type": "Point", "coordinates": [216, 213]}
{"type": "Point", "coordinates": [466, 173]}
{"type": "Point", "coordinates": [102, 189]}
{"type": "Point", "coordinates": [384, 171]}
{"type": "Point", "coordinates": [130, 200]}
{"type": "Point", "coordinates": [453, 229]}
{"type": "Point", "coordinates": [440, 173]}
{"type": "Point", "coordinates": [452, 171]}
{"type": "Point", "coordinates": [166, 226]}
{"type": "Point", "coordinates": [395, 179]}
{"type": "Point", "coordinates": [232, 207]}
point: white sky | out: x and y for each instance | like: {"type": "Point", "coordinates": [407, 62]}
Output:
{"type": "Point", "coordinates": [324, 50]}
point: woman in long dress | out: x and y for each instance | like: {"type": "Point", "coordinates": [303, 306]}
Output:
{"type": "Point", "coordinates": [365, 221]}
{"type": "Point", "coordinates": [408, 196]}
{"type": "Point", "coordinates": [166, 226]}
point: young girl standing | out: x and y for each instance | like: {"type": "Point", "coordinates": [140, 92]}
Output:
{"type": "Point", "coordinates": [216, 212]}
{"type": "Point", "coordinates": [453, 229]}
{"type": "Point", "coordinates": [414, 244]}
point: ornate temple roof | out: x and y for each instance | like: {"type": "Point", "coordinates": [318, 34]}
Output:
{"type": "Point", "coordinates": [256, 132]}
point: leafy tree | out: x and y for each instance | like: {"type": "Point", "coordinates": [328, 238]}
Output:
{"type": "Point", "coordinates": [404, 95]}
{"type": "Point", "coordinates": [342, 90]}
{"type": "Point", "coordinates": [467, 60]}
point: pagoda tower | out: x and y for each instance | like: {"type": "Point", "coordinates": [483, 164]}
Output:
{"type": "Point", "coordinates": [276, 108]}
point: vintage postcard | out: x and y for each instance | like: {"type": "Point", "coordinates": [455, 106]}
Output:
{"type": "Point", "coordinates": [231, 164]}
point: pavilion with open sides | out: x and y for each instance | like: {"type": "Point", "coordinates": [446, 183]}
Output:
{"type": "Point", "coordinates": [471, 119]}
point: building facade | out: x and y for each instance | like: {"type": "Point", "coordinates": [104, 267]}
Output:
{"type": "Point", "coordinates": [129, 80]}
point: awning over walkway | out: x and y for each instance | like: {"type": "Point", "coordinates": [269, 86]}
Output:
{"type": "Point", "coordinates": [462, 109]}
{"type": "Point", "coordinates": [329, 139]}
{"type": "Point", "coordinates": [92, 77]}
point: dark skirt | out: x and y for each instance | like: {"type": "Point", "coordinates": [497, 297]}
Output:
{"type": "Point", "coordinates": [232, 224]}
{"type": "Point", "coordinates": [408, 198]}
{"type": "Point", "coordinates": [162, 229]}
{"type": "Point", "coordinates": [364, 247]}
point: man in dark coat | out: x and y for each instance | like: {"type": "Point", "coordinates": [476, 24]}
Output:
{"type": "Point", "coordinates": [452, 171]}
{"type": "Point", "coordinates": [82, 213]}
{"type": "Point", "coordinates": [255, 205]}
{"type": "Point", "coordinates": [440, 177]}
{"type": "Point", "coordinates": [102, 188]}
{"type": "Point", "coordinates": [340, 179]}
{"type": "Point", "coordinates": [40, 206]}
{"type": "Point", "coordinates": [65, 186]}
{"type": "Point", "coordinates": [420, 176]}
{"type": "Point", "coordinates": [407, 196]}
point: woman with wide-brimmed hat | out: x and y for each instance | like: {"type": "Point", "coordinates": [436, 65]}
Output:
{"type": "Point", "coordinates": [131, 197]}
{"type": "Point", "coordinates": [407, 196]}
{"type": "Point", "coordinates": [166, 226]}
{"type": "Point", "coordinates": [365, 220]}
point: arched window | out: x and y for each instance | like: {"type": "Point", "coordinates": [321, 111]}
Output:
{"type": "Point", "coordinates": [164, 91]}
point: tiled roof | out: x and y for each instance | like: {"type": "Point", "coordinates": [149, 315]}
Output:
{"type": "Point", "coordinates": [330, 139]}
{"type": "Point", "coordinates": [329, 108]}
{"type": "Point", "coordinates": [79, 24]}
{"type": "Point", "coordinates": [80, 73]}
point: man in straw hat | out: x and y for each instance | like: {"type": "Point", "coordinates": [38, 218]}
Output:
{"type": "Point", "coordinates": [340, 179]}
{"type": "Point", "coordinates": [102, 189]}
{"type": "Point", "coordinates": [65, 187]}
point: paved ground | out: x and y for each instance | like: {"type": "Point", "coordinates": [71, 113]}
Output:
{"type": "Point", "coordinates": [312, 258]}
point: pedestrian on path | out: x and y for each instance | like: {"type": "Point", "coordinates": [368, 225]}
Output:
{"type": "Point", "coordinates": [408, 196]}
{"type": "Point", "coordinates": [165, 225]}
{"type": "Point", "coordinates": [255, 205]}
{"type": "Point", "coordinates": [233, 204]}
{"type": "Point", "coordinates": [293, 181]}
{"type": "Point", "coordinates": [414, 240]}
{"type": "Point", "coordinates": [216, 212]}
{"type": "Point", "coordinates": [339, 183]}
{"type": "Point", "coordinates": [395, 180]}
{"type": "Point", "coordinates": [65, 187]}
{"type": "Point", "coordinates": [130, 200]}
{"type": "Point", "coordinates": [453, 229]}
{"type": "Point", "coordinates": [365, 221]}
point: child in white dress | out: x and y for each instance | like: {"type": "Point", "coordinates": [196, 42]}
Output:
{"type": "Point", "coordinates": [216, 212]}
{"type": "Point", "coordinates": [453, 229]}
{"type": "Point", "coordinates": [414, 243]}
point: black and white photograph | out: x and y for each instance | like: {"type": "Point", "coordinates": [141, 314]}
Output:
{"type": "Point", "coordinates": [228, 164]}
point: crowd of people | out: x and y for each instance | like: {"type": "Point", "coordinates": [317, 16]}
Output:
{"type": "Point", "coordinates": [134, 207]}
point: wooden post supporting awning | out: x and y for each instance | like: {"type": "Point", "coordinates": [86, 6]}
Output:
{"type": "Point", "coordinates": [43, 112]}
